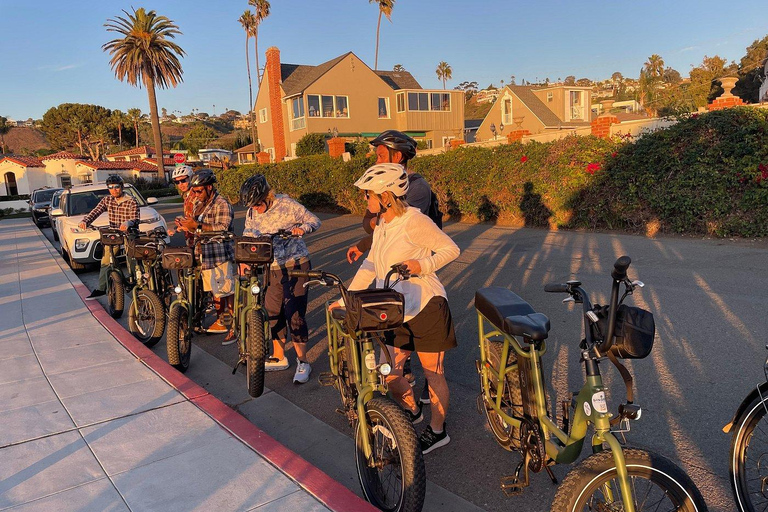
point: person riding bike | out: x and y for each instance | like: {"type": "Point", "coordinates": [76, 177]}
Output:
{"type": "Point", "coordinates": [214, 213]}
{"type": "Point", "coordinates": [405, 235]}
{"type": "Point", "coordinates": [181, 177]}
{"type": "Point", "coordinates": [123, 212]}
{"type": "Point", "coordinates": [286, 298]}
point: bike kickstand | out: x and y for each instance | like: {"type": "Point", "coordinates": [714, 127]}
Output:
{"type": "Point", "coordinates": [551, 475]}
{"type": "Point", "coordinates": [237, 365]}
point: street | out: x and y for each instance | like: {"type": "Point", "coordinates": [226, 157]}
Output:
{"type": "Point", "coordinates": [709, 304]}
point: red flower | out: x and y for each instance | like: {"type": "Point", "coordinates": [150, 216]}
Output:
{"type": "Point", "coordinates": [694, 116]}
{"type": "Point", "coordinates": [614, 154]}
{"type": "Point", "coordinates": [763, 171]}
{"type": "Point", "coordinates": [594, 166]}
{"type": "Point", "coordinates": [524, 159]}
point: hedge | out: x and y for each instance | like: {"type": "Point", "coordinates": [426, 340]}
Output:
{"type": "Point", "coordinates": [707, 174]}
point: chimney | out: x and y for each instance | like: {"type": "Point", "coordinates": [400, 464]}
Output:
{"type": "Point", "coordinates": [275, 102]}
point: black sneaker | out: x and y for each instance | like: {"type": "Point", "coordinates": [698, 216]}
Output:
{"type": "Point", "coordinates": [95, 294]}
{"type": "Point", "coordinates": [417, 417]}
{"type": "Point", "coordinates": [424, 399]}
{"type": "Point", "coordinates": [430, 441]}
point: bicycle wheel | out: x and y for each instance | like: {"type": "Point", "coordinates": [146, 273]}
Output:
{"type": "Point", "coordinates": [749, 450]}
{"type": "Point", "coordinates": [656, 482]}
{"type": "Point", "coordinates": [256, 352]}
{"type": "Point", "coordinates": [395, 480]}
{"type": "Point", "coordinates": [511, 403]}
{"type": "Point", "coordinates": [344, 381]}
{"type": "Point", "coordinates": [179, 339]}
{"type": "Point", "coordinates": [115, 294]}
{"type": "Point", "coordinates": [146, 319]}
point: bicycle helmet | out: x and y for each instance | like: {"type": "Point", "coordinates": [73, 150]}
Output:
{"type": "Point", "coordinates": [115, 179]}
{"type": "Point", "coordinates": [396, 141]}
{"type": "Point", "coordinates": [254, 190]}
{"type": "Point", "coordinates": [384, 177]}
{"type": "Point", "coordinates": [202, 178]}
{"type": "Point", "coordinates": [182, 171]}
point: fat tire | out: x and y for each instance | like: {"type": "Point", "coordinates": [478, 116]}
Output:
{"type": "Point", "coordinates": [178, 357]}
{"type": "Point", "coordinates": [256, 352]}
{"type": "Point", "coordinates": [748, 443]}
{"type": "Point", "coordinates": [150, 300]}
{"type": "Point", "coordinates": [115, 294]}
{"type": "Point", "coordinates": [671, 482]}
{"type": "Point", "coordinates": [409, 461]}
{"type": "Point", "coordinates": [507, 436]}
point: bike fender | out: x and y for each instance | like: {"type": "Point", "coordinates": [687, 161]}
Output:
{"type": "Point", "coordinates": [761, 389]}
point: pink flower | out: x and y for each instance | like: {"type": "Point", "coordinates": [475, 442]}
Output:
{"type": "Point", "coordinates": [524, 159]}
{"type": "Point", "coordinates": [594, 166]}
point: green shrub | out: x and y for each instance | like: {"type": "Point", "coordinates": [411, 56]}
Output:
{"type": "Point", "coordinates": [311, 144]}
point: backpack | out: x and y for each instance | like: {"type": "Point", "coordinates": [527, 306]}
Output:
{"type": "Point", "coordinates": [433, 211]}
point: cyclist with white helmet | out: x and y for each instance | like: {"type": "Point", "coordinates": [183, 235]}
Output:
{"type": "Point", "coordinates": [405, 235]}
{"type": "Point", "coordinates": [181, 177]}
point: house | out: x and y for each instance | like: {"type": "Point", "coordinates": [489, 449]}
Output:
{"type": "Point", "coordinates": [99, 171]}
{"type": "Point", "coordinates": [536, 109]}
{"type": "Point", "coordinates": [135, 154]}
{"type": "Point", "coordinates": [345, 96]}
{"type": "Point", "coordinates": [762, 96]}
{"type": "Point", "coordinates": [245, 154]}
{"type": "Point", "coordinates": [206, 155]}
{"type": "Point", "coordinates": [25, 174]}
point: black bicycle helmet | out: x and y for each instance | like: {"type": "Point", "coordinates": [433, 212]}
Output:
{"type": "Point", "coordinates": [254, 190]}
{"type": "Point", "coordinates": [203, 177]}
{"type": "Point", "coordinates": [397, 141]}
{"type": "Point", "coordinates": [115, 179]}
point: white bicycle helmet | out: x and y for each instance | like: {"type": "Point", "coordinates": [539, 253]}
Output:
{"type": "Point", "coordinates": [383, 177]}
{"type": "Point", "coordinates": [182, 171]}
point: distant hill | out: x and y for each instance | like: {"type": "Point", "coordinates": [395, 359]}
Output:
{"type": "Point", "coordinates": [25, 140]}
{"type": "Point", "coordinates": [475, 110]}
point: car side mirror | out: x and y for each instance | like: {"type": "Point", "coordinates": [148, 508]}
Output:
{"type": "Point", "coordinates": [152, 200]}
{"type": "Point", "coordinates": [56, 212]}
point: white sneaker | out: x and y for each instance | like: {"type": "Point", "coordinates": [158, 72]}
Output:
{"type": "Point", "coordinates": [273, 364]}
{"type": "Point", "coordinates": [302, 372]}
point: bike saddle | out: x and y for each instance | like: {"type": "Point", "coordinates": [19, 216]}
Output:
{"type": "Point", "coordinates": [339, 314]}
{"type": "Point", "coordinates": [510, 313]}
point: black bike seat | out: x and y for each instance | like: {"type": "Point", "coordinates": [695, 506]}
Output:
{"type": "Point", "coordinates": [339, 314]}
{"type": "Point", "coordinates": [510, 313]}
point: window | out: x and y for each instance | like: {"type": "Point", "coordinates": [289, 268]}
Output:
{"type": "Point", "coordinates": [86, 178]}
{"type": "Point", "coordinates": [297, 108]}
{"type": "Point", "coordinates": [577, 110]}
{"type": "Point", "coordinates": [383, 108]}
{"type": "Point", "coordinates": [328, 106]}
{"type": "Point", "coordinates": [401, 102]}
{"type": "Point", "coordinates": [418, 101]}
{"type": "Point", "coordinates": [271, 152]}
{"type": "Point", "coordinates": [440, 101]}
{"type": "Point", "coordinates": [423, 101]}
{"type": "Point", "coordinates": [65, 181]}
{"type": "Point", "coordinates": [550, 97]}
{"type": "Point", "coordinates": [263, 115]}
{"type": "Point", "coordinates": [506, 111]}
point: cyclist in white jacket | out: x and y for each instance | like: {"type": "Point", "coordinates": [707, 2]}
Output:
{"type": "Point", "coordinates": [405, 235]}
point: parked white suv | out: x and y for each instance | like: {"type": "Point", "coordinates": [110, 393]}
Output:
{"type": "Point", "coordinates": [82, 246]}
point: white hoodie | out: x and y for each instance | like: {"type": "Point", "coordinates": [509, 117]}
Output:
{"type": "Point", "coordinates": [412, 236]}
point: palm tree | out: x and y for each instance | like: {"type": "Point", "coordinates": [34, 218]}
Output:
{"type": "Point", "coordinates": [248, 21]}
{"type": "Point", "coordinates": [262, 11]}
{"type": "Point", "coordinates": [444, 72]}
{"type": "Point", "coordinates": [385, 8]}
{"type": "Point", "coordinates": [654, 66]}
{"type": "Point", "coordinates": [145, 54]}
{"type": "Point", "coordinates": [118, 121]}
{"type": "Point", "coordinates": [134, 116]}
{"type": "Point", "coordinates": [4, 128]}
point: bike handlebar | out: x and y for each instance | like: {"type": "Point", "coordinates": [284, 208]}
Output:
{"type": "Point", "coordinates": [619, 272]}
{"type": "Point", "coordinates": [556, 287]}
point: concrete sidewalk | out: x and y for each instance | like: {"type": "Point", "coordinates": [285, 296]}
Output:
{"type": "Point", "coordinates": [92, 420]}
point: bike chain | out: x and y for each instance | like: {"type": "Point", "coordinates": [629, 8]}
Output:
{"type": "Point", "coordinates": [533, 444]}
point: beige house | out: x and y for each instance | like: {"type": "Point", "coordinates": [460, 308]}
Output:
{"type": "Point", "coordinates": [345, 96]}
{"type": "Point", "coordinates": [537, 109]}
{"type": "Point", "coordinates": [24, 174]}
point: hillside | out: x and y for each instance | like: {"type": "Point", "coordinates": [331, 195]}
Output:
{"type": "Point", "coordinates": [475, 110]}
{"type": "Point", "coordinates": [25, 140]}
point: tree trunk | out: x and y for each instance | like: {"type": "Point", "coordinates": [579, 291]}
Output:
{"type": "Point", "coordinates": [136, 127]}
{"type": "Point", "coordinates": [376, 59]}
{"type": "Point", "coordinates": [250, 95]}
{"type": "Point", "coordinates": [120, 135]}
{"type": "Point", "coordinates": [256, 50]}
{"type": "Point", "coordinates": [155, 119]}
{"type": "Point", "coordinates": [80, 141]}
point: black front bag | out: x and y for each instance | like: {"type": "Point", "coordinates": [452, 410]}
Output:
{"type": "Point", "coordinates": [176, 258]}
{"type": "Point", "coordinates": [111, 236]}
{"type": "Point", "coordinates": [142, 248]}
{"type": "Point", "coordinates": [253, 249]}
{"type": "Point", "coordinates": [374, 310]}
{"type": "Point", "coordinates": [635, 330]}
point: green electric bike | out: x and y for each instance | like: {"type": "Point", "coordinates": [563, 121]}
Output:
{"type": "Point", "coordinates": [614, 478]}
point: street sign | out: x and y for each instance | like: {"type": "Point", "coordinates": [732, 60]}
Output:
{"type": "Point", "coordinates": [179, 158]}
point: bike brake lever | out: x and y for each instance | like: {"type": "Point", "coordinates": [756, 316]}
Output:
{"type": "Point", "coordinates": [568, 300]}
{"type": "Point", "coordinates": [638, 283]}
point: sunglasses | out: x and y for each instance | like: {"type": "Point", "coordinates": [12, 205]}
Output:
{"type": "Point", "coordinates": [198, 190]}
{"type": "Point", "coordinates": [367, 194]}
{"type": "Point", "coordinates": [114, 187]}
{"type": "Point", "coordinates": [182, 180]}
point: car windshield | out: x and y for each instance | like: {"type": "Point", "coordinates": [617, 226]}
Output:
{"type": "Point", "coordinates": [80, 203]}
{"type": "Point", "coordinates": [56, 199]}
{"type": "Point", "coordinates": [44, 195]}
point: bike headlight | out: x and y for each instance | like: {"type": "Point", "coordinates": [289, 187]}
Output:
{"type": "Point", "coordinates": [81, 244]}
{"type": "Point", "coordinates": [177, 289]}
{"type": "Point", "coordinates": [255, 289]}
{"type": "Point", "coordinates": [385, 369]}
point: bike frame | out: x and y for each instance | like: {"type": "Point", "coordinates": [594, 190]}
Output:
{"type": "Point", "coordinates": [188, 279]}
{"type": "Point", "coordinates": [246, 301]}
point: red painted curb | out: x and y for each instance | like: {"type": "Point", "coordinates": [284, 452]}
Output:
{"type": "Point", "coordinates": [324, 488]}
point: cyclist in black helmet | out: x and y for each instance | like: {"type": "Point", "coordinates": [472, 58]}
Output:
{"type": "Point", "coordinates": [214, 213]}
{"type": "Point", "coordinates": [123, 212]}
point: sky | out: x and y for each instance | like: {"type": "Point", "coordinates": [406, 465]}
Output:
{"type": "Point", "coordinates": [51, 50]}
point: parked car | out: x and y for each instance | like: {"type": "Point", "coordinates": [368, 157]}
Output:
{"type": "Point", "coordinates": [54, 204]}
{"type": "Point", "coordinates": [39, 202]}
{"type": "Point", "coordinates": [80, 247]}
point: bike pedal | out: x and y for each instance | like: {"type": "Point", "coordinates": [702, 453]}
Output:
{"type": "Point", "coordinates": [326, 379]}
{"type": "Point", "coordinates": [511, 486]}
{"type": "Point", "coordinates": [341, 411]}
{"type": "Point", "coordinates": [227, 319]}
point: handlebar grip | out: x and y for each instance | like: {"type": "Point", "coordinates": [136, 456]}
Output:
{"type": "Point", "coordinates": [620, 268]}
{"type": "Point", "coordinates": [308, 274]}
{"type": "Point", "coordinates": [556, 288]}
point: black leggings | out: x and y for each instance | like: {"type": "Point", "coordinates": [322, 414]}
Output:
{"type": "Point", "coordinates": [286, 304]}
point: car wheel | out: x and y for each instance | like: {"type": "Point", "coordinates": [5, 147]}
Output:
{"type": "Point", "coordinates": [55, 234]}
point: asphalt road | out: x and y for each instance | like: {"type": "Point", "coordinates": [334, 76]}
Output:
{"type": "Point", "coordinates": [708, 298]}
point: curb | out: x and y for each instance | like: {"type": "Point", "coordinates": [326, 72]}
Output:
{"type": "Point", "coordinates": [322, 487]}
